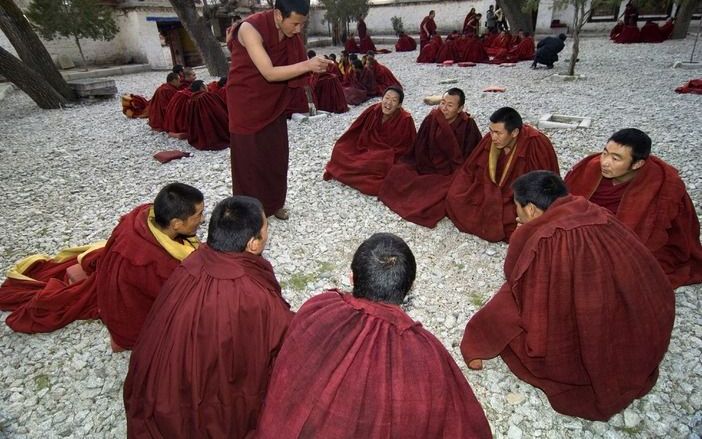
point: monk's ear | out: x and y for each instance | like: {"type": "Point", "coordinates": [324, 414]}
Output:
{"type": "Point", "coordinates": [638, 164]}
{"type": "Point", "coordinates": [175, 224]}
{"type": "Point", "coordinates": [254, 245]}
{"type": "Point", "coordinates": [277, 15]}
{"type": "Point", "coordinates": [515, 133]}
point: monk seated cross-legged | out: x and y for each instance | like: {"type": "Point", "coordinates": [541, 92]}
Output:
{"type": "Point", "coordinates": [405, 43]}
{"type": "Point", "coordinates": [201, 366]}
{"type": "Point", "coordinates": [355, 365]}
{"type": "Point", "coordinates": [586, 312]}
{"type": "Point", "coordinates": [383, 76]}
{"type": "Point", "coordinates": [648, 196]}
{"type": "Point", "coordinates": [360, 84]}
{"type": "Point", "coordinates": [522, 51]}
{"type": "Point", "coordinates": [364, 154]}
{"type": "Point", "coordinates": [329, 92]}
{"type": "Point", "coordinates": [160, 100]}
{"type": "Point", "coordinates": [479, 200]}
{"type": "Point", "coordinates": [119, 282]}
{"type": "Point", "coordinates": [429, 51]}
{"type": "Point", "coordinates": [416, 186]}
{"type": "Point", "coordinates": [176, 117]}
{"type": "Point", "coordinates": [207, 120]}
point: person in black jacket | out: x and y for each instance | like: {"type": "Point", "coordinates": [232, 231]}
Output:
{"type": "Point", "coordinates": [547, 51]}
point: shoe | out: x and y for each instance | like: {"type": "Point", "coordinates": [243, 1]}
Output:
{"type": "Point", "coordinates": [282, 214]}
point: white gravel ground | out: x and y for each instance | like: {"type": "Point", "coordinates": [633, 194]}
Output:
{"type": "Point", "coordinates": [68, 175]}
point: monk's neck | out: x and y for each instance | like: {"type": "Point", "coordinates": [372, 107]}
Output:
{"type": "Point", "coordinates": [168, 232]}
{"type": "Point", "coordinates": [507, 150]}
{"type": "Point", "coordinates": [387, 117]}
{"type": "Point", "coordinates": [626, 178]}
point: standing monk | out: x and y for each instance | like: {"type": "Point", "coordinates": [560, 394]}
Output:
{"type": "Point", "coordinates": [479, 200]}
{"type": "Point", "coordinates": [427, 29]}
{"type": "Point", "coordinates": [268, 61]}
{"type": "Point", "coordinates": [649, 197]}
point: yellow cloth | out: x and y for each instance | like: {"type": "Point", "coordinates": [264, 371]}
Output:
{"type": "Point", "coordinates": [492, 164]}
{"type": "Point", "coordinates": [174, 248]}
{"type": "Point", "coordinates": [17, 270]}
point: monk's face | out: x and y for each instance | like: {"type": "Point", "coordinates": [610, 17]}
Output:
{"type": "Point", "coordinates": [290, 26]}
{"type": "Point", "coordinates": [189, 226]}
{"type": "Point", "coordinates": [390, 103]}
{"type": "Point", "coordinates": [616, 162]}
{"type": "Point", "coordinates": [450, 107]}
{"type": "Point", "coordinates": [502, 138]}
{"type": "Point", "coordinates": [175, 83]}
{"type": "Point", "coordinates": [526, 213]}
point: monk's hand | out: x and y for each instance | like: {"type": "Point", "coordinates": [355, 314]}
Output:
{"type": "Point", "coordinates": [318, 64]}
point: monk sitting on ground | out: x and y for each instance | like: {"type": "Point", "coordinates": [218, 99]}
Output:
{"type": "Point", "coordinates": [405, 43]}
{"type": "Point", "coordinates": [479, 200]}
{"type": "Point", "coordinates": [189, 76]}
{"type": "Point", "coordinates": [416, 186]}
{"type": "Point", "coordinates": [383, 76]}
{"type": "Point", "coordinates": [523, 51]}
{"type": "Point", "coordinates": [651, 33]}
{"type": "Point", "coordinates": [118, 283]}
{"type": "Point", "coordinates": [207, 120]}
{"type": "Point", "coordinates": [357, 366]}
{"type": "Point", "coordinates": [430, 50]}
{"type": "Point", "coordinates": [649, 197]}
{"type": "Point", "coordinates": [351, 45]}
{"type": "Point", "coordinates": [503, 41]}
{"type": "Point", "coordinates": [585, 313]}
{"type": "Point", "coordinates": [160, 100]}
{"type": "Point", "coordinates": [364, 154]}
{"type": "Point", "coordinates": [202, 364]}
{"type": "Point", "coordinates": [328, 92]}
{"type": "Point", "coordinates": [360, 84]}
{"type": "Point", "coordinates": [175, 120]}
{"type": "Point", "coordinates": [469, 48]}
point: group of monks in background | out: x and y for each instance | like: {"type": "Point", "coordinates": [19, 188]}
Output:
{"type": "Point", "coordinates": [585, 313]}
{"type": "Point", "coordinates": [626, 31]}
{"type": "Point", "coordinates": [185, 108]}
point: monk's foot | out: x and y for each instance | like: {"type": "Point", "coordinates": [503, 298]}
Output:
{"type": "Point", "coordinates": [476, 364]}
{"type": "Point", "coordinates": [282, 214]}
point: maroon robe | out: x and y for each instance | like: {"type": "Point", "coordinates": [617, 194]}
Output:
{"type": "Point", "coordinates": [502, 41]}
{"type": "Point", "coordinates": [616, 30]}
{"type": "Point", "coordinates": [202, 365]}
{"type": "Point", "coordinates": [207, 122]}
{"type": "Point", "coordinates": [429, 51]}
{"type": "Point", "coordinates": [416, 186]}
{"type": "Point", "coordinates": [351, 45]}
{"type": "Point", "coordinates": [259, 131]}
{"type": "Point", "coordinates": [405, 44]}
{"type": "Point", "coordinates": [585, 313]}
{"type": "Point", "coordinates": [447, 52]}
{"type": "Point", "coordinates": [656, 206]}
{"type": "Point", "coordinates": [470, 49]}
{"type": "Point", "coordinates": [360, 86]}
{"type": "Point", "coordinates": [630, 34]}
{"type": "Point", "coordinates": [330, 94]}
{"type": "Point", "coordinates": [383, 78]}
{"type": "Point", "coordinates": [364, 154]}
{"type": "Point", "coordinates": [158, 104]}
{"type": "Point", "coordinates": [424, 36]}
{"type": "Point", "coordinates": [483, 206]}
{"type": "Point", "coordinates": [176, 117]}
{"type": "Point", "coordinates": [667, 29]}
{"type": "Point", "coordinates": [693, 86]}
{"type": "Point", "coordinates": [524, 51]}
{"type": "Point", "coordinates": [353, 368]}
{"type": "Point", "coordinates": [651, 33]}
{"type": "Point", "coordinates": [135, 106]}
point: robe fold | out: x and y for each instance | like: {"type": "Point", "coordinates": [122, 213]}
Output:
{"type": "Point", "coordinates": [158, 105]}
{"type": "Point", "coordinates": [176, 116]}
{"type": "Point", "coordinates": [330, 94]}
{"type": "Point", "coordinates": [259, 133]}
{"type": "Point", "coordinates": [405, 44]}
{"type": "Point", "coordinates": [657, 208]}
{"type": "Point", "coordinates": [616, 30]}
{"type": "Point", "coordinates": [667, 29]}
{"type": "Point", "coordinates": [447, 52]}
{"type": "Point", "coordinates": [364, 154]}
{"type": "Point", "coordinates": [351, 46]}
{"type": "Point", "coordinates": [585, 313]}
{"type": "Point", "coordinates": [207, 122]}
{"type": "Point", "coordinates": [352, 368]}
{"type": "Point", "coordinates": [416, 186]}
{"type": "Point", "coordinates": [201, 366]}
{"type": "Point", "coordinates": [366, 44]}
{"type": "Point", "coordinates": [479, 200]}
{"type": "Point", "coordinates": [502, 41]}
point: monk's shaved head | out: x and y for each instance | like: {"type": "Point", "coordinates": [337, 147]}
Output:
{"type": "Point", "coordinates": [509, 116]}
{"type": "Point", "coordinates": [383, 269]}
{"type": "Point", "coordinates": [287, 7]}
{"type": "Point", "coordinates": [172, 77]}
{"type": "Point", "coordinates": [540, 188]}
{"type": "Point", "coordinates": [234, 222]}
{"type": "Point", "coordinates": [457, 92]}
{"type": "Point", "coordinates": [176, 201]}
{"type": "Point", "coordinates": [197, 86]}
{"type": "Point", "coordinates": [637, 140]}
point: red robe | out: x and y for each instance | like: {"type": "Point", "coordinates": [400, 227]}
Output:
{"type": "Point", "coordinates": [213, 86]}
{"type": "Point", "coordinates": [158, 104]}
{"type": "Point", "coordinates": [416, 186]}
{"type": "Point", "coordinates": [651, 33]}
{"type": "Point", "coordinates": [585, 313]}
{"type": "Point", "coordinates": [693, 86]}
{"type": "Point", "coordinates": [383, 78]}
{"type": "Point", "coordinates": [429, 51]}
{"type": "Point", "coordinates": [351, 45]}
{"type": "Point", "coordinates": [667, 29]}
{"type": "Point", "coordinates": [524, 51]}
{"type": "Point", "coordinates": [657, 208]}
{"type": "Point", "coordinates": [502, 41]}
{"type": "Point", "coordinates": [135, 106]}
{"type": "Point", "coordinates": [176, 117]}
{"type": "Point", "coordinates": [352, 368]}
{"type": "Point", "coordinates": [207, 122]}
{"type": "Point", "coordinates": [259, 132]}
{"type": "Point", "coordinates": [630, 34]}
{"type": "Point", "coordinates": [470, 49]}
{"type": "Point", "coordinates": [481, 204]}
{"type": "Point", "coordinates": [330, 94]}
{"type": "Point", "coordinates": [360, 86]}
{"type": "Point", "coordinates": [424, 36]}
{"type": "Point", "coordinates": [405, 44]}
{"type": "Point", "coordinates": [364, 154]}
{"type": "Point", "coordinates": [616, 30]}
{"type": "Point", "coordinates": [448, 52]}
{"type": "Point", "coordinates": [201, 367]}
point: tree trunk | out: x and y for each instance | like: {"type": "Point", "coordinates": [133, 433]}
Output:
{"type": "Point", "coordinates": [683, 16]}
{"type": "Point", "coordinates": [29, 81]}
{"type": "Point", "coordinates": [80, 49]}
{"type": "Point", "coordinates": [578, 21]}
{"type": "Point", "coordinates": [203, 37]}
{"type": "Point", "coordinates": [516, 17]}
{"type": "Point", "coordinates": [30, 48]}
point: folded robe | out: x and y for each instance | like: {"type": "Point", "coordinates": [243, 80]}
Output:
{"type": "Point", "coordinates": [167, 156]}
{"type": "Point", "coordinates": [693, 86]}
{"type": "Point", "coordinates": [416, 186]}
{"type": "Point", "coordinates": [585, 313]}
{"type": "Point", "coordinates": [207, 120]}
{"type": "Point", "coordinates": [657, 208]}
{"type": "Point", "coordinates": [201, 367]}
{"type": "Point", "coordinates": [135, 106]}
{"type": "Point", "coordinates": [175, 119]}
{"type": "Point", "coordinates": [364, 154]}
{"type": "Point", "coordinates": [479, 200]}
{"type": "Point", "coordinates": [352, 368]}
{"type": "Point", "coordinates": [158, 105]}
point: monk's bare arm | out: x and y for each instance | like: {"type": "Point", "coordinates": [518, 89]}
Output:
{"type": "Point", "coordinates": [252, 41]}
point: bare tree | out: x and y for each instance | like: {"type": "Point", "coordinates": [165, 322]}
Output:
{"type": "Point", "coordinates": [29, 81]}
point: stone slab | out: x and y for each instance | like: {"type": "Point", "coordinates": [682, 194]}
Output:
{"type": "Point", "coordinates": [562, 121]}
{"type": "Point", "coordinates": [93, 87]}
{"type": "Point", "coordinates": [687, 65]}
